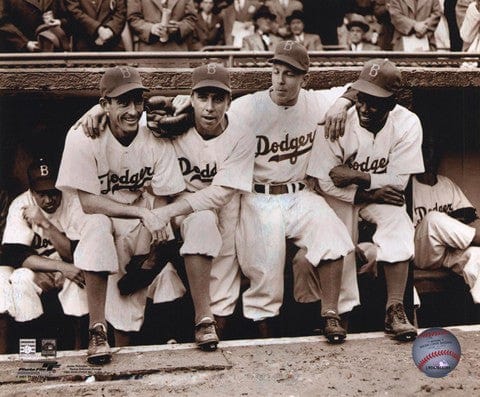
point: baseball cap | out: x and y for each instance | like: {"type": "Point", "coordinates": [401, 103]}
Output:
{"type": "Point", "coordinates": [293, 54]}
{"type": "Point", "coordinates": [379, 77]}
{"type": "Point", "coordinates": [41, 175]}
{"type": "Point", "coordinates": [119, 80]}
{"type": "Point", "coordinates": [211, 75]}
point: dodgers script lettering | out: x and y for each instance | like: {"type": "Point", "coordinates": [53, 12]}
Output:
{"type": "Point", "coordinates": [111, 182]}
{"type": "Point", "coordinates": [292, 148]}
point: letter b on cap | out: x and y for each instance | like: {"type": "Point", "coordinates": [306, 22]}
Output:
{"type": "Point", "coordinates": [44, 170]}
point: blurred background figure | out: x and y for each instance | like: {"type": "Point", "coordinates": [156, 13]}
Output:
{"type": "Point", "coordinates": [282, 9]}
{"type": "Point", "coordinates": [357, 27]}
{"type": "Point", "coordinates": [209, 26]}
{"type": "Point", "coordinates": [238, 20]}
{"type": "Point", "coordinates": [263, 39]}
{"type": "Point", "coordinates": [295, 23]}
{"type": "Point", "coordinates": [415, 23]}
{"type": "Point", "coordinates": [162, 25]}
{"type": "Point", "coordinates": [97, 25]}
{"type": "Point", "coordinates": [22, 22]}
{"type": "Point", "coordinates": [382, 14]}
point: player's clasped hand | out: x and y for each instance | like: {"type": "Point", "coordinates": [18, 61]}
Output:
{"type": "Point", "coordinates": [33, 215]}
{"type": "Point", "coordinates": [72, 273]}
{"type": "Point", "coordinates": [156, 224]}
{"type": "Point", "coordinates": [342, 175]}
{"type": "Point", "coordinates": [389, 195]}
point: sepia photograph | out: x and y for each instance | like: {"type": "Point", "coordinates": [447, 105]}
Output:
{"type": "Point", "coordinates": [239, 197]}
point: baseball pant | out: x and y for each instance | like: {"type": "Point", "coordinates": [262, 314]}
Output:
{"type": "Point", "coordinates": [442, 241]}
{"type": "Point", "coordinates": [126, 313]}
{"type": "Point", "coordinates": [306, 284]}
{"type": "Point", "coordinates": [394, 234]}
{"type": "Point", "coordinates": [212, 233]}
{"type": "Point", "coordinates": [27, 286]}
{"type": "Point", "coordinates": [266, 221]}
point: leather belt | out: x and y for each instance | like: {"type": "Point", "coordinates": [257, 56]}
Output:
{"type": "Point", "coordinates": [285, 188]}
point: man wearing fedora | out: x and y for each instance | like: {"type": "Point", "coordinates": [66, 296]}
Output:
{"type": "Point", "coordinates": [357, 27]}
{"type": "Point", "coordinates": [263, 39]}
{"type": "Point", "coordinates": [282, 9]}
{"type": "Point", "coordinates": [296, 23]}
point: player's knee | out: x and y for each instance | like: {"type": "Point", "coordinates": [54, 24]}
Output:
{"type": "Point", "coordinates": [99, 223]}
{"type": "Point", "coordinates": [22, 276]}
{"type": "Point", "coordinates": [434, 218]}
{"type": "Point", "coordinates": [202, 220]}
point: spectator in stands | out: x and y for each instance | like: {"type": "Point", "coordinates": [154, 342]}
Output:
{"type": "Point", "coordinates": [37, 255]}
{"type": "Point", "coordinates": [157, 32]}
{"type": "Point", "coordinates": [208, 28]}
{"type": "Point", "coordinates": [470, 29]}
{"type": "Point", "coordinates": [357, 27]}
{"type": "Point", "coordinates": [310, 41]}
{"type": "Point", "coordinates": [263, 39]}
{"type": "Point", "coordinates": [324, 17]}
{"type": "Point", "coordinates": [282, 9]}
{"type": "Point", "coordinates": [238, 20]}
{"type": "Point", "coordinates": [381, 12]}
{"type": "Point", "coordinates": [415, 23]}
{"type": "Point", "coordinates": [97, 26]}
{"type": "Point", "coordinates": [453, 28]}
{"type": "Point", "coordinates": [20, 19]}
{"type": "Point", "coordinates": [447, 229]}
{"type": "Point", "coordinates": [460, 11]}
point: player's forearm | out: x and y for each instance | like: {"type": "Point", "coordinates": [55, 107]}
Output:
{"type": "Point", "coordinates": [94, 204]}
{"type": "Point", "coordinates": [61, 242]}
{"type": "Point", "coordinates": [42, 264]}
{"type": "Point", "coordinates": [345, 194]}
{"type": "Point", "coordinates": [180, 207]}
{"type": "Point", "coordinates": [211, 197]}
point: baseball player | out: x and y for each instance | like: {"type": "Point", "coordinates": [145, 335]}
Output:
{"type": "Point", "coordinates": [37, 255]}
{"type": "Point", "coordinates": [370, 167]}
{"type": "Point", "coordinates": [284, 120]}
{"type": "Point", "coordinates": [121, 176]}
{"type": "Point", "coordinates": [447, 229]}
{"type": "Point", "coordinates": [216, 159]}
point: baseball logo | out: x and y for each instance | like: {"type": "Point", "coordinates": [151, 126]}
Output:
{"type": "Point", "coordinates": [436, 352]}
{"type": "Point", "coordinates": [374, 70]}
{"type": "Point", "coordinates": [43, 170]}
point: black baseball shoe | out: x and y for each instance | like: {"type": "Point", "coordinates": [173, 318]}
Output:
{"type": "Point", "coordinates": [206, 336]}
{"type": "Point", "coordinates": [397, 324]}
{"type": "Point", "coordinates": [333, 331]}
{"type": "Point", "coordinates": [98, 352]}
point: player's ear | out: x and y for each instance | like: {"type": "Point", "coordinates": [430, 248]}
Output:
{"type": "Point", "coordinates": [104, 102]}
{"type": "Point", "coordinates": [306, 77]}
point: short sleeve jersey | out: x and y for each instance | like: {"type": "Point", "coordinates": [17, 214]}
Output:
{"type": "Point", "coordinates": [225, 160]}
{"type": "Point", "coordinates": [67, 219]}
{"type": "Point", "coordinates": [394, 150]}
{"type": "Point", "coordinates": [103, 166]}
{"type": "Point", "coordinates": [444, 196]}
{"type": "Point", "coordinates": [284, 135]}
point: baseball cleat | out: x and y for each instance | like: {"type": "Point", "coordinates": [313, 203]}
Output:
{"type": "Point", "coordinates": [333, 331]}
{"type": "Point", "coordinates": [205, 335]}
{"type": "Point", "coordinates": [98, 352]}
{"type": "Point", "coordinates": [397, 324]}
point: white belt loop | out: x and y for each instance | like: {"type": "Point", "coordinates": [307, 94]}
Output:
{"type": "Point", "coordinates": [290, 188]}
{"type": "Point", "coordinates": [267, 189]}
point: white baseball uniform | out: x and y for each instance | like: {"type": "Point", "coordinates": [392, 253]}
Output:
{"type": "Point", "coordinates": [21, 288]}
{"type": "Point", "coordinates": [441, 240]}
{"type": "Point", "coordinates": [389, 156]}
{"type": "Point", "coordinates": [104, 167]}
{"type": "Point", "coordinates": [206, 164]}
{"type": "Point", "coordinates": [285, 136]}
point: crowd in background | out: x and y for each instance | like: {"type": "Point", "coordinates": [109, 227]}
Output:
{"type": "Point", "coordinates": [254, 25]}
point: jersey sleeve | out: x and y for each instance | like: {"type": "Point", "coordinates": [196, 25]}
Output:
{"type": "Point", "coordinates": [168, 178]}
{"type": "Point", "coordinates": [237, 170]}
{"type": "Point", "coordinates": [17, 230]}
{"type": "Point", "coordinates": [405, 157]}
{"type": "Point", "coordinates": [459, 200]}
{"type": "Point", "coordinates": [78, 169]}
{"type": "Point", "coordinates": [325, 156]}
{"type": "Point", "coordinates": [211, 197]}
